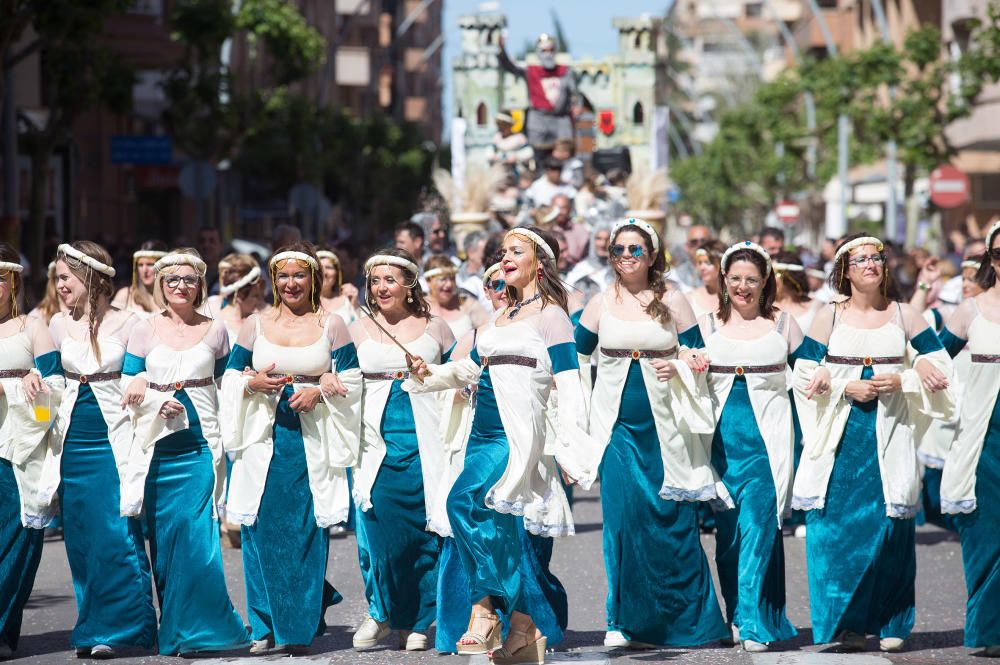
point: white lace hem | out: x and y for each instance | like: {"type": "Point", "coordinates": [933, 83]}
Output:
{"type": "Point", "coordinates": [517, 506]}
{"type": "Point", "coordinates": [808, 502]}
{"type": "Point", "coordinates": [706, 493]}
{"type": "Point", "coordinates": [326, 521]}
{"type": "Point", "coordinates": [438, 528]}
{"type": "Point", "coordinates": [931, 461]}
{"type": "Point", "coordinates": [959, 507]}
{"type": "Point", "coordinates": [901, 511]}
{"type": "Point", "coordinates": [130, 509]}
{"type": "Point", "coordinates": [243, 519]}
{"type": "Point", "coordinates": [36, 521]}
{"type": "Point", "coordinates": [549, 530]}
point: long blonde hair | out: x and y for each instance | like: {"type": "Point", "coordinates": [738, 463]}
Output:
{"type": "Point", "coordinates": [99, 286]}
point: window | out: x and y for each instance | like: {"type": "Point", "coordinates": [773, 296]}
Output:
{"type": "Point", "coordinates": [638, 114]}
{"type": "Point", "coordinates": [754, 9]}
{"type": "Point", "coordinates": [481, 114]}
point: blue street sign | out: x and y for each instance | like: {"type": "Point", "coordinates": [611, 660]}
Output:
{"type": "Point", "coordinates": [674, 194]}
{"type": "Point", "coordinates": [142, 150]}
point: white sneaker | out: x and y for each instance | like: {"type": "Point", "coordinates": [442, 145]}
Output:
{"type": "Point", "coordinates": [615, 640]}
{"type": "Point", "coordinates": [752, 646]}
{"type": "Point", "coordinates": [891, 644]}
{"type": "Point", "coordinates": [851, 641]}
{"type": "Point", "coordinates": [800, 531]}
{"type": "Point", "coordinates": [101, 652]}
{"type": "Point", "coordinates": [262, 646]}
{"type": "Point", "coordinates": [371, 633]}
{"type": "Point", "coordinates": [412, 641]}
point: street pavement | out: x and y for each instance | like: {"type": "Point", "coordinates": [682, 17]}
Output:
{"type": "Point", "coordinates": [937, 637]}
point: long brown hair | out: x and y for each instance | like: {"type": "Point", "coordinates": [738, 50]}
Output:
{"type": "Point", "coordinates": [838, 278]}
{"type": "Point", "coordinates": [549, 283]}
{"type": "Point", "coordinates": [986, 276]}
{"type": "Point", "coordinates": [100, 287]}
{"type": "Point", "coordinates": [655, 276]}
{"type": "Point", "coordinates": [9, 255]}
{"type": "Point", "coordinates": [415, 303]}
{"type": "Point", "coordinates": [316, 274]}
{"type": "Point", "coordinates": [795, 280]}
{"type": "Point", "coordinates": [767, 294]}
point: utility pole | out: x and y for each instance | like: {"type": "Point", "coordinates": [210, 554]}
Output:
{"type": "Point", "coordinates": [891, 230]}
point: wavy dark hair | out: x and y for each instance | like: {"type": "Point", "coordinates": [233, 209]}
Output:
{"type": "Point", "coordinates": [655, 276]}
{"type": "Point", "coordinates": [767, 294]}
{"type": "Point", "coordinates": [100, 287]}
{"type": "Point", "coordinates": [986, 276]}
{"type": "Point", "coordinates": [838, 277]}
{"type": "Point", "coordinates": [796, 280]}
{"type": "Point", "coordinates": [416, 304]}
{"type": "Point", "coordinates": [9, 255]}
{"type": "Point", "coordinates": [549, 284]}
{"type": "Point", "coordinates": [316, 281]}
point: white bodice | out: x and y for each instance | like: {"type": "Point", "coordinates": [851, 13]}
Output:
{"type": "Point", "coordinates": [645, 334]}
{"type": "Point", "coordinates": [15, 351]}
{"type": "Point", "coordinates": [888, 340]}
{"type": "Point", "coordinates": [460, 326]}
{"type": "Point", "coordinates": [984, 336]}
{"type": "Point", "coordinates": [78, 356]}
{"type": "Point", "coordinates": [378, 357]}
{"type": "Point", "coordinates": [166, 365]}
{"type": "Point", "coordinates": [771, 348]}
{"type": "Point", "coordinates": [309, 360]}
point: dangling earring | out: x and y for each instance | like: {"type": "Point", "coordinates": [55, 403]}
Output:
{"type": "Point", "coordinates": [409, 296]}
{"type": "Point", "coordinates": [540, 272]}
{"type": "Point", "coordinates": [761, 300]}
{"type": "Point", "coordinates": [725, 296]}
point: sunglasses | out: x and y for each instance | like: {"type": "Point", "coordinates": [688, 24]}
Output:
{"type": "Point", "coordinates": [995, 254]}
{"type": "Point", "coordinates": [498, 285]}
{"type": "Point", "coordinates": [635, 251]}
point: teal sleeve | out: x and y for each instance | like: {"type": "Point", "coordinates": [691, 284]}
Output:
{"type": "Point", "coordinates": [446, 356]}
{"type": "Point", "coordinates": [951, 342]}
{"type": "Point", "coordinates": [346, 357]}
{"type": "Point", "coordinates": [133, 365]}
{"type": "Point", "coordinates": [691, 338]}
{"type": "Point", "coordinates": [49, 363]}
{"type": "Point", "coordinates": [220, 366]}
{"type": "Point", "coordinates": [927, 342]}
{"type": "Point", "coordinates": [586, 340]}
{"type": "Point", "coordinates": [809, 349]}
{"type": "Point", "coordinates": [240, 358]}
{"type": "Point", "coordinates": [563, 357]}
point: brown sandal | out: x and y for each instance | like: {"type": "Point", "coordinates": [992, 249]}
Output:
{"type": "Point", "coordinates": [481, 643]}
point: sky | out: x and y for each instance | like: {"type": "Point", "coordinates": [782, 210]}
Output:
{"type": "Point", "coordinates": [586, 24]}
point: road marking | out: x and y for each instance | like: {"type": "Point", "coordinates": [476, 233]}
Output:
{"type": "Point", "coordinates": [817, 658]}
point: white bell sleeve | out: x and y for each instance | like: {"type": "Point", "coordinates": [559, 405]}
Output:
{"type": "Point", "coordinates": [923, 340]}
{"type": "Point", "coordinates": [345, 411]}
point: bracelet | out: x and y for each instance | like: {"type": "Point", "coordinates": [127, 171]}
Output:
{"type": "Point", "coordinates": [250, 392]}
{"type": "Point", "coordinates": [923, 286]}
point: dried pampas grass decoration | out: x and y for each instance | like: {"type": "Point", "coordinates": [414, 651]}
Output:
{"type": "Point", "coordinates": [480, 185]}
{"type": "Point", "coordinates": [646, 190]}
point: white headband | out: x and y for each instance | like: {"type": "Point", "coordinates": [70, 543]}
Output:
{"type": "Point", "coordinates": [181, 259]}
{"type": "Point", "coordinates": [148, 254]}
{"type": "Point", "coordinates": [246, 280]}
{"type": "Point", "coordinates": [970, 264]}
{"type": "Point", "coordinates": [817, 273]}
{"type": "Point", "coordinates": [301, 257]}
{"type": "Point", "coordinates": [12, 267]}
{"type": "Point", "coordinates": [995, 229]}
{"type": "Point", "coordinates": [439, 272]}
{"type": "Point", "coordinates": [327, 254]}
{"type": "Point", "coordinates": [634, 221]}
{"type": "Point", "coordinates": [788, 267]}
{"type": "Point", "coordinates": [535, 238]}
{"type": "Point", "coordinates": [89, 261]}
{"type": "Point", "coordinates": [52, 268]}
{"type": "Point", "coordinates": [857, 242]}
{"type": "Point", "coordinates": [752, 246]}
{"type": "Point", "coordinates": [390, 260]}
{"type": "Point", "coordinates": [489, 271]}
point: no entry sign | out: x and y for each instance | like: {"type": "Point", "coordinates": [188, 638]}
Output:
{"type": "Point", "coordinates": [949, 187]}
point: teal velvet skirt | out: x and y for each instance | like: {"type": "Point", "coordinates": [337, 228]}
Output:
{"type": "Point", "coordinates": [861, 563]}
{"type": "Point", "coordinates": [196, 613]}
{"type": "Point", "coordinates": [107, 556]}
{"type": "Point", "coordinates": [749, 553]}
{"type": "Point", "coordinates": [20, 554]}
{"type": "Point", "coordinates": [980, 533]}
{"type": "Point", "coordinates": [398, 556]}
{"type": "Point", "coordinates": [660, 587]}
{"type": "Point", "coordinates": [285, 553]}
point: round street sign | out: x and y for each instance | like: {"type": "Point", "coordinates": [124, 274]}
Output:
{"type": "Point", "coordinates": [949, 186]}
{"type": "Point", "coordinates": [787, 211]}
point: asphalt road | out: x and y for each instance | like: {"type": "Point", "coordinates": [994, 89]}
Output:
{"type": "Point", "coordinates": [937, 637]}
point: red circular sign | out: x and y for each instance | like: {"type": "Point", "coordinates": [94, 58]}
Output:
{"type": "Point", "coordinates": [787, 211]}
{"type": "Point", "coordinates": [949, 187]}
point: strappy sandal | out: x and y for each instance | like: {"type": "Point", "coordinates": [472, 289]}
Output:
{"type": "Point", "coordinates": [532, 653]}
{"type": "Point", "coordinates": [480, 643]}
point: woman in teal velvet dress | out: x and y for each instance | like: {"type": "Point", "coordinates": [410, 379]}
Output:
{"type": "Point", "coordinates": [107, 556]}
{"type": "Point", "coordinates": [970, 485]}
{"type": "Point", "coordinates": [29, 367]}
{"type": "Point", "coordinates": [401, 460]}
{"type": "Point", "coordinates": [177, 468]}
{"type": "Point", "coordinates": [750, 345]}
{"type": "Point", "coordinates": [858, 478]}
{"type": "Point", "coordinates": [289, 416]}
{"type": "Point", "coordinates": [660, 589]}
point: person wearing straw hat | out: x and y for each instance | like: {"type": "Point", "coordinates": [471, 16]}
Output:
{"type": "Point", "coordinates": [176, 470]}
{"type": "Point", "coordinates": [31, 385]}
{"type": "Point", "coordinates": [290, 416]}
{"type": "Point", "coordinates": [107, 556]}
{"type": "Point", "coordinates": [400, 512]}
{"type": "Point", "coordinates": [858, 477]}
{"type": "Point", "coordinates": [138, 296]}
{"type": "Point", "coordinates": [749, 344]}
{"type": "Point", "coordinates": [970, 484]}
{"type": "Point", "coordinates": [509, 148]}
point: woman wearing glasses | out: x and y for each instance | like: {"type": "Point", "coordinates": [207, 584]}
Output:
{"type": "Point", "coordinates": [398, 475]}
{"type": "Point", "coordinates": [106, 553]}
{"type": "Point", "coordinates": [750, 344]}
{"type": "Point", "coordinates": [858, 476]}
{"type": "Point", "coordinates": [289, 413]}
{"type": "Point", "coordinates": [654, 471]}
{"type": "Point", "coordinates": [31, 384]}
{"type": "Point", "coordinates": [176, 469]}
{"type": "Point", "coordinates": [970, 486]}
{"type": "Point", "coordinates": [461, 313]}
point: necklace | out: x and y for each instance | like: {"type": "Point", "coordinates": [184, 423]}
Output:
{"type": "Point", "coordinates": [516, 307]}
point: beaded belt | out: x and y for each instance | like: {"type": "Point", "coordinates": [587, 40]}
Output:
{"type": "Point", "coordinates": [523, 361]}
{"type": "Point", "coordinates": [181, 385]}
{"type": "Point", "coordinates": [14, 373]}
{"type": "Point", "coordinates": [295, 378]}
{"type": "Point", "coordinates": [985, 358]}
{"type": "Point", "coordinates": [94, 378]}
{"type": "Point", "coordinates": [397, 375]}
{"type": "Point", "coordinates": [867, 361]}
{"type": "Point", "coordinates": [635, 354]}
{"type": "Point", "coordinates": [740, 370]}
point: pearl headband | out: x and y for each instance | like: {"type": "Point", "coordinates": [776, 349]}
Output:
{"type": "Point", "coordinates": [752, 246]}
{"type": "Point", "coordinates": [301, 257]}
{"type": "Point", "coordinates": [489, 272]}
{"type": "Point", "coordinates": [390, 260]}
{"type": "Point", "coordinates": [327, 254]}
{"type": "Point", "coordinates": [970, 264]}
{"type": "Point", "coordinates": [788, 267]}
{"type": "Point", "coordinates": [251, 277]}
{"type": "Point", "coordinates": [89, 261]}
{"type": "Point", "coordinates": [11, 267]}
{"type": "Point", "coordinates": [633, 221]}
{"type": "Point", "coordinates": [439, 272]}
{"type": "Point", "coordinates": [148, 254]}
{"type": "Point", "coordinates": [533, 237]}
{"type": "Point", "coordinates": [854, 244]}
{"type": "Point", "coordinates": [180, 259]}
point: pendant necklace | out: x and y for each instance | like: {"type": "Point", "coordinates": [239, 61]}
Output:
{"type": "Point", "coordinates": [517, 306]}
